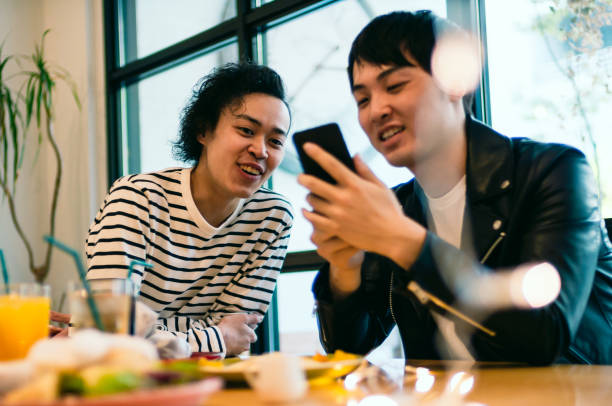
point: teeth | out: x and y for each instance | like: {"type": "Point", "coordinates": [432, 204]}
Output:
{"type": "Point", "coordinates": [390, 133]}
{"type": "Point", "coordinates": [250, 170]}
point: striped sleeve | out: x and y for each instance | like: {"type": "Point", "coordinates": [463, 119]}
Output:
{"type": "Point", "coordinates": [250, 290]}
{"type": "Point", "coordinates": [119, 233]}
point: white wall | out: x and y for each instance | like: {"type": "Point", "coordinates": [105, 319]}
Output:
{"type": "Point", "coordinates": [75, 43]}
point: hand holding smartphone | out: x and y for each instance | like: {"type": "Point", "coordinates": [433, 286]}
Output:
{"type": "Point", "coordinates": [329, 138]}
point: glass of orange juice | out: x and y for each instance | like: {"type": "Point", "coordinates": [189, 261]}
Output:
{"type": "Point", "coordinates": [24, 318]}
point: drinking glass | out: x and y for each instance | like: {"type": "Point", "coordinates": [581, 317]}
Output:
{"type": "Point", "coordinates": [24, 318]}
{"type": "Point", "coordinates": [114, 299]}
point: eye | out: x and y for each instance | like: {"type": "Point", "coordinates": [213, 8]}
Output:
{"type": "Point", "coordinates": [361, 102]}
{"type": "Point", "coordinates": [395, 87]}
{"type": "Point", "coordinates": [277, 143]}
{"type": "Point", "coordinates": [246, 131]}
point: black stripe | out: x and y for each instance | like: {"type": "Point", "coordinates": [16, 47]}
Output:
{"type": "Point", "coordinates": [167, 179]}
{"type": "Point", "coordinates": [243, 308]}
{"type": "Point", "coordinates": [181, 220]}
{"type": "Point", "coordinates": [166, 191]}
{"type": "Point", "coordinates": [91, 268]}
{"type": "Point", "coordinates": [119, 239]}
{"type": "Point", "coordinates": [259, 288]}
{"type": "Point", "coordinates": [122, 214]}
{"type": "Point", "coordinates": [126, 187]}
{"type": "Point", "coordinates": [177, 206]}
{"type": "Point", "coordinates": [154, 299]}
{"type": "Point", "coordinates": [208, 340]}
{"type": "Point", "coordinates": [219, 341]}
{"type": "Point", "coordinates": [198, 341]}
{"type": "Point", "coordinates": [249, 298]}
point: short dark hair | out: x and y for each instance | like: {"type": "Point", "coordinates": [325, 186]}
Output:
{"type": "Point", "coordinates": [224, 86]}
{"type": "Point", "coordinates": [386, 38]}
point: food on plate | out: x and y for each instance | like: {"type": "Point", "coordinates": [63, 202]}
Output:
{"type": "Point", "coordinates": [92, 364]}
{"type": "Point", "coordinates": [337, 355]}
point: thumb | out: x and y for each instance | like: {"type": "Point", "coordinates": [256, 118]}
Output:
{"type": "Point", "coordinates": [253, 318]}
{"type": "Point", "coordinates": [364, 171]}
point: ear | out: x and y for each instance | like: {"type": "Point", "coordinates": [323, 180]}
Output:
{"type": "Point", "coordinates": [202, 139]}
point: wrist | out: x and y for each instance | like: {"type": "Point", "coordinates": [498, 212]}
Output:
{"type": "Point", "coordinates": [404, 244]}
{"type": "Point", "coordinates": [344, 281]}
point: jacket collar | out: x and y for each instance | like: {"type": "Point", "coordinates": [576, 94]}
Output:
{"type": "Point", "coordinates": [489, 165]}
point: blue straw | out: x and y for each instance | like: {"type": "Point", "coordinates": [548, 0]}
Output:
{"type": "Point", "coordinates": [90, 301]}
{"type": "Point", "coordinates": [137, 262]}
{"type": "Point", "coordinates": [5, 276]}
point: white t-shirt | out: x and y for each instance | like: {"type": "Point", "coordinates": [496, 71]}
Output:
{"type": "Point", "coordinates": [446, 220]}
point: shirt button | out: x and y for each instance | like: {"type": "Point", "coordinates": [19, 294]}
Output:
{"type": "Point", "coordinates": [505, 184]}
{"type": "Point", "coordinates": [497, 224]}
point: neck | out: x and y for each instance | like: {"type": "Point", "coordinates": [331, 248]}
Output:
{"type": "Point", "coordinates": [214, 205]}
{"type": "Point", "coordinates": [444, 169]}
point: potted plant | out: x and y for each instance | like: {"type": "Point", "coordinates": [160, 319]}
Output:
{"type": "Point", "coordinates": [19, 110]}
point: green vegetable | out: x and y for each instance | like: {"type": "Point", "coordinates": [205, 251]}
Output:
{"type": "Point", "coordinates": [115, 383]}
{"type": "Point", "coordinates": [71, 384]}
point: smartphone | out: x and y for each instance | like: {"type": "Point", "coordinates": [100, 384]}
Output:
{"type": "Point", "coordinates": [329, 138]}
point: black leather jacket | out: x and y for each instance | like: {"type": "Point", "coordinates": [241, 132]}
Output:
{"type": "Point", "coordinates": [526, 202]}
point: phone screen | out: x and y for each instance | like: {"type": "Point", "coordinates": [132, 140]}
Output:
{"type": "Point", "coordinates": [329, 138]}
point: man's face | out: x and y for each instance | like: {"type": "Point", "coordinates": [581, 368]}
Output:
{"type": "Point", "coordinates": [246, 146]}
{"type": "Point", "coordinates": [402, 110]}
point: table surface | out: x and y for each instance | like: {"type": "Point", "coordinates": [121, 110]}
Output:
{"type": "Point", "coordinates": [494, 384]}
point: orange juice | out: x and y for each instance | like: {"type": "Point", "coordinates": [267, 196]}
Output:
{"type": "Point", "coordinates": [23, 321]}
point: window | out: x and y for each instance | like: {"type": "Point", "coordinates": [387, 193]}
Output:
{"type": "Point", "coordinates": [549, 74]}
{"type": "Point", "coordinates": [156, 50]}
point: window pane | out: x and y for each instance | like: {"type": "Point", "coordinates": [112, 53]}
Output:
{"type": "Point", "coordinates": [313, 64]}
{"type": "Point", "coordinates": [549, 88]}
{"type": "Point", "coordinates": [298, 325]}
{"type": "Point", "coordinates": [151, 25]}
{"type": "Point", "coordinates": [153, 107]}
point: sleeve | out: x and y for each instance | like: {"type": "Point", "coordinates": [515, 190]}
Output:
{"type": "Point", "coordinates": [119, 233]}
{"type": "Point", "coordinates": [250, 290]}
{"type": "Point", "coordinates": [561, 226]}
{"type": "Point", "coordinates": [362, 320]}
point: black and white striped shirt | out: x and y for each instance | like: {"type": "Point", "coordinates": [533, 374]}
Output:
{"type": "Point", "coordinates": [200, 272]}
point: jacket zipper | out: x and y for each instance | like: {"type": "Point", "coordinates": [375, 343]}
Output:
{"type": "Point", "coordinates": [492, 247]}
{"type": "Point", "coordinates": [391, 298]}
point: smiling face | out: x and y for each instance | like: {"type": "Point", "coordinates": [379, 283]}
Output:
{"type": "Point", "coordinates": [404, 113]}
{"type": "Point", "coordinates": [245, 147]}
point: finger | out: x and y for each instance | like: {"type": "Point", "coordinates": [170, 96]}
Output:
{"type": "Point", "coordinates": [326, 244]}
{"type": "Point", "coordinates": [320, 222]}
{"type": "Point", "coordinates": [333, 166]}
{"type": "Point", "coordinates": [365, 172]}
{"type": "Point", "coordinates": [317, 186]}
{"type": "Point", "coordinates": [320, 237]}
{"type": "Point", "coordinates": [59, 317]}
{"type": "Point", "coordinates": [318, 205]}
{"type": "Point", "coordinates": [53, 331]}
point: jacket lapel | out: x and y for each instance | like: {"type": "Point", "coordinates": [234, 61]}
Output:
{"type": "Point", "coordinates": [490, 180]}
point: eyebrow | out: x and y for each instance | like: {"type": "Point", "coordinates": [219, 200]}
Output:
{"type": "Point", "coordinates": [258, 123]}
{"type": "Point", "coordinates": [381, 76]}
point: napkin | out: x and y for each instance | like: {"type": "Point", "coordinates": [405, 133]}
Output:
{"type": "Point", "coordinates": [170, 346]}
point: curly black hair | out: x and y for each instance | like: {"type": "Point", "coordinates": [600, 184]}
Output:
{"type": "Point", "coordinates": [224, 86]}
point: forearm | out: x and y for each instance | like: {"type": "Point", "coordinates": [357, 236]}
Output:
{"type": "Point", "coordinates": [201, 336]}
{"type": "Point", "coordinates": [352, 323]}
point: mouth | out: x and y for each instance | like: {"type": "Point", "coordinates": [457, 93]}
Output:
{"type": "Point", "coordinates": [251, 169]}
{"type": "Point", "coordinates": [389, 132]}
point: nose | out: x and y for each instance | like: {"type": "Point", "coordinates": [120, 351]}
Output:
{"type": "Point", "coordinates": [380, 109]}
{"type": "Point", "coordinates": [257, 148]}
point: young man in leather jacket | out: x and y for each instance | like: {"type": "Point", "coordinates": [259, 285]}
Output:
{"type": "Point", "coordinates": [479, 203]}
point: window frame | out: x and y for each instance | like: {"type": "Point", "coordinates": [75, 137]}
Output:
{"type": "Point", "coordinates": [243, 29]}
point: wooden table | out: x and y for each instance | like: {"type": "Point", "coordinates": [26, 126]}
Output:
{"type": "Point", "coordinates": [494, 384]}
